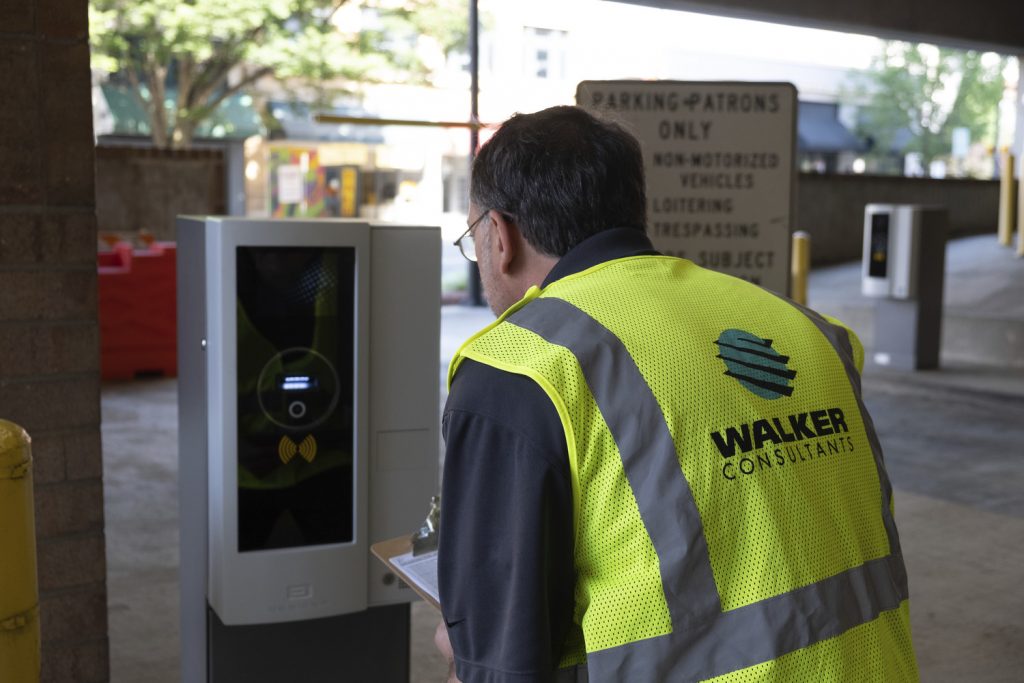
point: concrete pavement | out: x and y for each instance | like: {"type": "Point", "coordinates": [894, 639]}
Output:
{"type": "Point", "coordinates": [952, 439]}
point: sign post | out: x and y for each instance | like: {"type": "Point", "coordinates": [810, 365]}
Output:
{"type": "Point", "coordinates": [720, 165]}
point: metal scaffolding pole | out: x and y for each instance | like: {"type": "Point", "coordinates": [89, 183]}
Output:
{"type": "Point", "coordinates": [475, 289]}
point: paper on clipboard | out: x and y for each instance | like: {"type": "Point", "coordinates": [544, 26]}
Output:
{"type": "Point", "coordinates": [419, 571]}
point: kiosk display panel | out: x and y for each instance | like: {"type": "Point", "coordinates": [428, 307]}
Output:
{"type": "Point", "coordinates": [295, 309]}
{"type": "Point", "coordinates": [879, 258]}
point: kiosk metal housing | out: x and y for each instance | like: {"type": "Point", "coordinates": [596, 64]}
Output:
{"type": "Point", "coordinates": [308, 409]}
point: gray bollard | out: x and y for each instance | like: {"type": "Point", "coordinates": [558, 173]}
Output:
{"type": "Point", "coordinates": [903, 267]}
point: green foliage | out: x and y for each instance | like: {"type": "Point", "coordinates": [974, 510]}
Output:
{"type": "Point", "coordinates": [924, 93]}
{"type": "Point", "coordinates": [202, 51]}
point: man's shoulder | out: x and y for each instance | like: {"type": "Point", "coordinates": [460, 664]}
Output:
{"type": "Point", "coordinates": [481, 388]}
{"type": "Point", "coordinates": [506, 400]}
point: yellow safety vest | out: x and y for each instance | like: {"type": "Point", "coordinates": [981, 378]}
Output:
{"type": "Point", "coordinates": [733, 519]}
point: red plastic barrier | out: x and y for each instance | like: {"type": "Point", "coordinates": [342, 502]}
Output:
{"type": "Point", "coordinates": [138, 326]}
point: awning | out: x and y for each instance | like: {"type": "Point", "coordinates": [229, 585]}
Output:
{"type": "Point", "coordinates": [235, 118]}
{"type": "Point", "coordinates": [819, 130]}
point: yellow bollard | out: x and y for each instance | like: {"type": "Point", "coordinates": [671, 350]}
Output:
{"type": "Point", "coordinates": [19, 588]}
{"type": "Point", "coordinates": [1007, 195]}
{"type": "Point", "coordinates": [800, 267]}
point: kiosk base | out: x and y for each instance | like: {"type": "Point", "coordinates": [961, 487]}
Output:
{"type": "Point", "coordinates": [363, 646]}
{"type": "Point", "coordinates": [908, 333]}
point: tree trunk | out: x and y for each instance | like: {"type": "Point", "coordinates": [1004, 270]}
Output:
{"type": "Point", "coordinates": [156, 133]}
{"type": "Point", "coordinates": [186, 76]}
{"type": "Point", "coordinates": [155, 74]}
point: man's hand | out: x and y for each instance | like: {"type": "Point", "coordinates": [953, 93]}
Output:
{"type": "Point", "coordinates": [444, 646]}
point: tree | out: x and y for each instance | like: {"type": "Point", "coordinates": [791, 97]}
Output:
{"type": "Point", "coordinates": [922, 93]}
{"type": "Point", "coordinates": [183, 58]}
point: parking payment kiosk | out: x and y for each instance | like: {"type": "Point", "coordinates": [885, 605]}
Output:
{"type": "Point", "coordinates": [308, 409]}
{"type": "Point", "coordinates": [903, 267]}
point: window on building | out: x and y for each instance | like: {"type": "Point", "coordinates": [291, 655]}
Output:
{"type": "Point", "coordinates": [544, 53]}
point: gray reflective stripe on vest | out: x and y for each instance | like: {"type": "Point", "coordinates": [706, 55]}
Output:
{"type": "Point", "coordinates": [756, 633]}
{"type": "Point", "coordinates": [705, 641]}
{"type": "Point", "coordinates": [649, 457]}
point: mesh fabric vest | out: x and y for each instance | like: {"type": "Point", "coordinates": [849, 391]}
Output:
{"type": "Point", "coordinates": [733, 520]}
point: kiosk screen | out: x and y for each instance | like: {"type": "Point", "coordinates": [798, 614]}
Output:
{"type": "Point", "coordinates": [295, 324]}
{"type": "Point", "coordinates": [878, 266]}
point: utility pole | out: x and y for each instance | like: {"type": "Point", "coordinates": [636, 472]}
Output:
{"type": "Point", "coordinates": [473, 276]}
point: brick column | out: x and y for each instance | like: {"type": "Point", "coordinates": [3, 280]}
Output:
{"type": "Point", "coordinates": [49, 370]}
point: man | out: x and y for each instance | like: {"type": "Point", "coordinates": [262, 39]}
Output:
{"type": "Point", "coordinates": [653, 472]}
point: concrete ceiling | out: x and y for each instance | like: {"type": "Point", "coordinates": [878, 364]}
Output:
{"type": "Point", "coordinates": [996, 25]}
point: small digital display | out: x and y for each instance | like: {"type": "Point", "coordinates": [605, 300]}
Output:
{"type": "Point", "coordinates": [878, 257]}
{"type": "Point", "coordinates": [298, 383]}
{"type": "Point", "coordinates": [295, 325]}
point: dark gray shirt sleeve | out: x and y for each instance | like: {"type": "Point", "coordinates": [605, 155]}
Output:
{"type": "Point", "coordinates": [505, 560]}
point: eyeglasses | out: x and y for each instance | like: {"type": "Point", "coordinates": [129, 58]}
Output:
{"type": "Point", "coordinates": [465, 243]}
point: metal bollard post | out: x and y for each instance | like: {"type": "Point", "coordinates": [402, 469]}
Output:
{"type": "Point", "coordinates": [1020, 217]}
{"type": "Point", "coordinates": [19, 587]}
{"type": "Point", "coordinates": [800, 266]}
{"type": "Point", "coordinates": [1007, 199]}
{"type": "Point", "coordinates": [1020, 236]}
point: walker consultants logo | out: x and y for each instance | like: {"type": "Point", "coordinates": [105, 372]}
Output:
{"type": "Point", "coordinates": [755, 364]}
{"type": "Point", "coordinates": [773, 442]}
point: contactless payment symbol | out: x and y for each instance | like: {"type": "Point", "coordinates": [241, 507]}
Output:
{"type": "Point", "coordinates": [753, 362]}
{"type": "Point", "coordinates": [288, 449]}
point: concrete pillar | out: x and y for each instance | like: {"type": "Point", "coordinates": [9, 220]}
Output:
{"type": "Point", "coordinates": [49, 369]}
{"type": "Point", "coordinates": [234, 180]}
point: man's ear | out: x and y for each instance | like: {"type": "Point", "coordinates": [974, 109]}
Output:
{"type": "Point", "coordinates": [507, 240]}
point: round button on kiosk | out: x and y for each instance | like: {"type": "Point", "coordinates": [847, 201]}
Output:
{"type": "Point", "coordinates": [297, 410]}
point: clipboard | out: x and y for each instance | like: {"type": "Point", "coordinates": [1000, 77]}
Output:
{"type": "Point", "coordinates": [419, 572]}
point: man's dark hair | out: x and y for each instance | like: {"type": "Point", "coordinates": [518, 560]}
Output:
{"type": "Point", "coordinates": [562, 175]}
